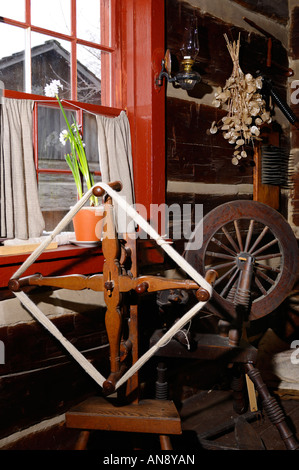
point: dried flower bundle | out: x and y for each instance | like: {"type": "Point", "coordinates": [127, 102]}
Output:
{"type": "Point", "coordinates": [246, 106]}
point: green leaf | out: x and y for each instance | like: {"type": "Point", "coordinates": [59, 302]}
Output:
{"type": "Point", "coordinates": [77, 160]}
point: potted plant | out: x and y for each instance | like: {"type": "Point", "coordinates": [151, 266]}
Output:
{"type": "Point", "coordinates": [88, 221]}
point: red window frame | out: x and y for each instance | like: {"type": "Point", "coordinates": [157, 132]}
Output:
{"type": "Point", "coordinates": [143, 48]}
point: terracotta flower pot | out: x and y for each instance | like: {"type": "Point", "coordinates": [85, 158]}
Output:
{"type": "Point", "coordinates": [88, 224]}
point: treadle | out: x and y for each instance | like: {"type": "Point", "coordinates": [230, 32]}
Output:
{"type": "Point", "coordinates": [146, 416]}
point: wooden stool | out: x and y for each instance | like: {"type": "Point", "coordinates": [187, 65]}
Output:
{"type": "Point", "coordinates": [147, 416]}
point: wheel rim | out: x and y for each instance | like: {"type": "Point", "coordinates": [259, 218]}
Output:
{"type": "Point", "coordinates": [232, 233]}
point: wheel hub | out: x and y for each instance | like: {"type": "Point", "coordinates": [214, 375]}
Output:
{"type": "Point", "coordinates": [244, 258]}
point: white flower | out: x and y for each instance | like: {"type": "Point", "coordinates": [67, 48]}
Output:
{"type": "Point", "coordinates": [63, 136]}
{"type": "Point", "coordinates": [52, 89]}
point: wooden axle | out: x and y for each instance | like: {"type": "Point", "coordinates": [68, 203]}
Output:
{"type": "Point", "coordinates": [126, 283]}
{"type": "Point", "coordinates": [202, 294]}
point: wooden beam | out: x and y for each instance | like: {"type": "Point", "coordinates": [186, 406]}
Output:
{"type": "Point", "coordinates": [143, 47]}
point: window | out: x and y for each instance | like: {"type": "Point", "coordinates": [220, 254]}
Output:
{"type": "Point", "coordinates": [70, 41]}
{"type": "Point", "coordinates": [136, 35]}
{"type": "Point", "coordinates": [131, 48]}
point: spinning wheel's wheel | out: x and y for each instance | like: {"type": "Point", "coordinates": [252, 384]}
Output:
{"type": "Point", "coordinates": [247, 231]}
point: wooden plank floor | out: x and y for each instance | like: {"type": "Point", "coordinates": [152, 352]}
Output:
{"type": "Point", "coordinates": [206, 411]}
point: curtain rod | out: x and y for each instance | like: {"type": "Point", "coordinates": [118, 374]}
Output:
{"type": "Point", "coordinates": [88, 107]}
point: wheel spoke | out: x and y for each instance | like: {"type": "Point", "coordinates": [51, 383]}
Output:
{"type": "Point", "coordinates": [275, 255]}
{"type": "Point", "coordinates": [230, 239]}
{"type": "Point", "coordinates": [225, 275]}
{"type": "Point", "coordinates": [224, 247]}
{"type": "Point", "coordinates": [268, 268]}
{"type": "Point", "coordinates": [249, 235]}
{"type": "Point", "coordinates": [222, 265]}
{"type": "Point", "coordinates": [259, 238]}
{"type": "Point", "coordinates": [264, 247]}
{"type": "Point", "coordinates": [260, 286]}
{"type": "Point", "coordinates": [219, 255]}
{"type": "Point", "coordinates": [265, 277]}
{"type": "Point", "coordinates": [239, 238]}
{"type": "Point", "coordinates": [231, 280]}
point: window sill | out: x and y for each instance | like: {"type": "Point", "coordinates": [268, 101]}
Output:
{"type": "Point", "coordinates": [66, 259]}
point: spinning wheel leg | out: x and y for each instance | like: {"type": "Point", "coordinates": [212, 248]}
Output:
{"type": "Point", "coordinates": [238, 387]}
{"type": "Point", "coordinates": [161, 393]}
{"type": "Point", "coordinates": [272, 408]}
{"type": "Point", "coordinates": [165, 442]}
{"type": "Point", "coordinates": [82, 441]}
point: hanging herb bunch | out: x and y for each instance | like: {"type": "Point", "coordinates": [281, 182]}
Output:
{"type": "Point", "coordinates": [245, 104]}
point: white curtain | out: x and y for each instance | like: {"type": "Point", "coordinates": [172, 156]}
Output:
{"type": "Point", "coordinates": [21, 215]}
{"type": "Point", "coordinates": [115, 153]}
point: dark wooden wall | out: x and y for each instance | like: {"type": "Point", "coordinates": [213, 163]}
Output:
{"type": "Point", "coordinates": [39, 380]}
{"type": "Point", "coordinates": [279, 10]}
{"type": "Point", "coordinates": [194, 156]}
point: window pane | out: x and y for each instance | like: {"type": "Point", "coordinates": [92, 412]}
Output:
{"type": "Point", "coordinates": [53, 15]}
{"type": "Point", "coordinates": [50, 61]}
{"type": "Point", "coordinates": [89, 20]}
{"type": "Point", "coordinates": [12, 57]}
{"type": "Point", "coordinates": [91, 140]}
{"type": "Point", "coordinates": [50, 150]}
{"type": "Point", "coordinates": [89, 74]}
{"type": "Point", "coordinates": [14, 10]}
{"type": "Point", "coordinates": [56, 192]}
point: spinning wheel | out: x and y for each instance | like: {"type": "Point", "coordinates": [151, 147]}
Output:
{"type": "Point", "coordinates": [255, 253]}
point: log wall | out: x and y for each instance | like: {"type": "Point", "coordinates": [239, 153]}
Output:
{"type": "Point", "coordinates": [199, 164]}
{"type": "Point", "coordinates": [39, 380]}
